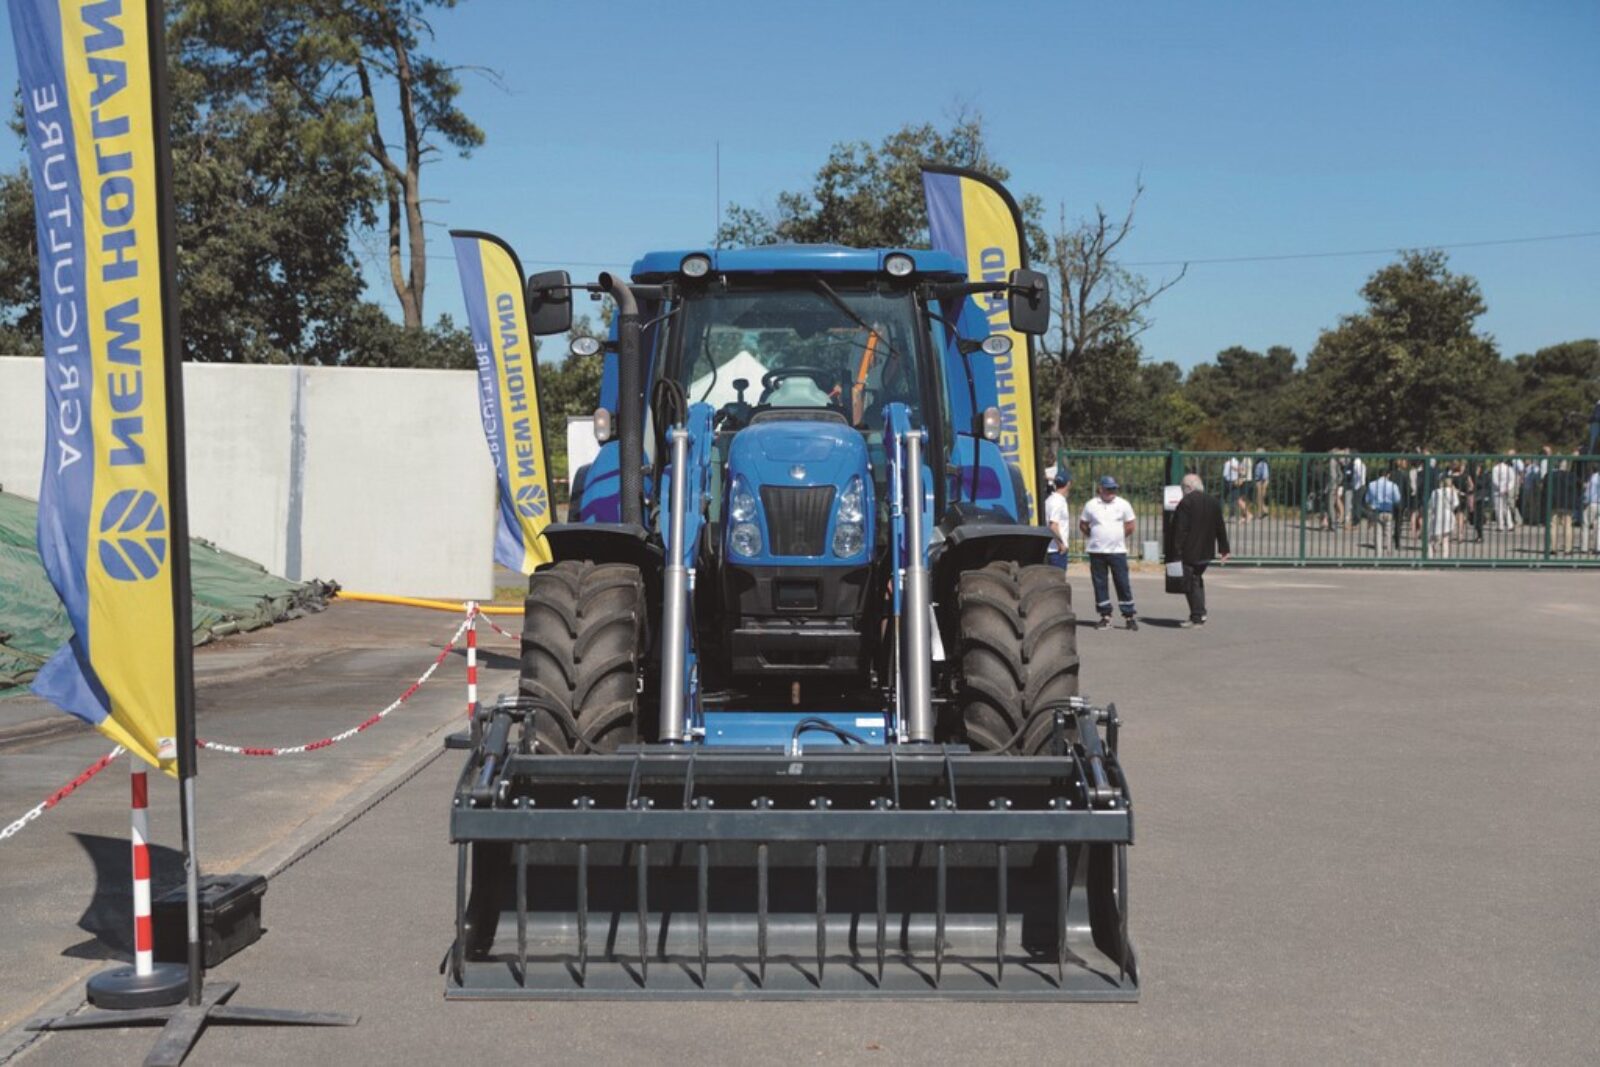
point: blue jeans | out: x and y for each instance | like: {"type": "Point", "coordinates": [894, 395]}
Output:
{"type": "Point", "coordinates": [1117, 564]}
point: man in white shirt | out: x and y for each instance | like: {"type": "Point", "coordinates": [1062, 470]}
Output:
{"type": "Point", "coordinates": [1503, 480]}
{"type": "Point", "coordinates": [1107, 522]}
{"type": "Point", "coordinates": [1058, 516]}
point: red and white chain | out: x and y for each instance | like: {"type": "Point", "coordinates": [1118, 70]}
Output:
{"type": "Point", "coordinates": [295, 750]}
{"type": "Point", "coordinates": [61, 794]}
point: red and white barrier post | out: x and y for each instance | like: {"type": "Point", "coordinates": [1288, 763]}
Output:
{"type": "Point", "coordinates": [472, 659]}
{"type": "Point", "coordinates": [143, 930]}
{"type": "Point", "coordinates": [144, 985]}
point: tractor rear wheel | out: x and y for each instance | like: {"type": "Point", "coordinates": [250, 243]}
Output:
{"type": "Point", "coordinates": [582, 635]}
{"type": "Point", "coordinates": [1019, 654]}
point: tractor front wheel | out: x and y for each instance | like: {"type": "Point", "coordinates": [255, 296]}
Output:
{"type": "Point", "coordinates": [1019, 654]}
{"type": "Point", "coordinates": [582, 635]}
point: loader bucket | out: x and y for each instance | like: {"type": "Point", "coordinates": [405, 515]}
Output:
{"type": "Point", "coordinates": [677, 872]}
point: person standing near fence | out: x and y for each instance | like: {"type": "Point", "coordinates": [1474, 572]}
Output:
{"type": "Point", "coordinates": [1058, 516]}
{"type": "Point", "coordinates": [1382, 500]}
{"type": "Point", "coordinates": [1200, 535]}
{"type": "Point", "coordinates": [1565, 503]}
{"type": "Point", "coordinates": [1591, 513]}
{"type": "Point", "coordinates": [1503, 482]}
{"type": "Point", "coordinates": [1263, 479]}
{"type": "Point", "coordinates": [1107, 522]}
{"type": "Point", "coordinates": [1443, 503]}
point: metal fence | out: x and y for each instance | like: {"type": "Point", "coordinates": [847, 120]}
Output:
{"type": "Point", "coordinates": [1328, 508]}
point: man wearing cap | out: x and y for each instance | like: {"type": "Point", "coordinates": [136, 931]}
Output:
{"type": "Point", "coordinates": [1107, 522]}
{"type": "Point", "coordinates": [1058, 516]}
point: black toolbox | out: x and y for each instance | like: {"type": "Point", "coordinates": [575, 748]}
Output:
{"type": "Point", "coordinates": [230, 918]}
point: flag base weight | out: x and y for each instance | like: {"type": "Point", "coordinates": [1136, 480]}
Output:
{"type": "Point", "coordinates": [124, 988]}
{"type": "Point", "coordinates": [182, 1023]}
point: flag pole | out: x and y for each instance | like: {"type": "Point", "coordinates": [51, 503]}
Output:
{"type": "Point", "coordinates": [177, 487]}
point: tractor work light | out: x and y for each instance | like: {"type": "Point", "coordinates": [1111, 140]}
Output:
{"type": "Point", "coordinates": [745, 539]}
{"type": "Point", "coordinates": [997, 344]}
{"type": "Point", "coordinates": [898, 265]}
{"type": "Point", "coordinates": [602, 425]}
{"type": "Point", "coordinates": [991, 424]}
{"type": "Point", "coordinates": [585, 346]}
{"type": "Point", "coordinates": [697, 265]}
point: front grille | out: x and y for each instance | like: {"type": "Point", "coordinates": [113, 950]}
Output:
{"type": "Point", "coordinates": [797, 518]}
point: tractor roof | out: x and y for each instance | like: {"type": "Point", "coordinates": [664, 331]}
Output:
{"type": "Point", "coordinates": [771, 259]}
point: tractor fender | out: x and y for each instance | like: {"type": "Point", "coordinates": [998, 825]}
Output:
{"type": "Point", "coordinates": [973, 545]}
{"type": "Point", "coordinates": [604, 542]}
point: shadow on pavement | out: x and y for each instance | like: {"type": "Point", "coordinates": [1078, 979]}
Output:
{"type": "Point", "coordinates": [108, 917]}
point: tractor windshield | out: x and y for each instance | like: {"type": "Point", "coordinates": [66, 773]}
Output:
{"type": "Point", "coordinates": [746, 350]}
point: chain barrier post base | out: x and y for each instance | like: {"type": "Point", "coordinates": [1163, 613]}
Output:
{"type": "Point", "coordinates": [146, 984]}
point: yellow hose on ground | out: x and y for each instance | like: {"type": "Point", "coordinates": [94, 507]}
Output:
{"type": "Point", "coordinates": [458, 606]}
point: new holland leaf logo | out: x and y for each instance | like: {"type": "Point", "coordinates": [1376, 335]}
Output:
{"type": "Point", "coordinates": [531, 501]}
{"type": "Point", "coordinates": [133, 542]}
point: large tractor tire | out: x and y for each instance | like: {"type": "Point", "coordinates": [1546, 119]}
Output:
{"type": "Point", "coordinates": [582, 637]}
{"type": "Point", "coordinates": [1019, 654]}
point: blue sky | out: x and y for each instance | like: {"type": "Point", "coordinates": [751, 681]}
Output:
{"type": "Point", "coordinates": [1259, 129]}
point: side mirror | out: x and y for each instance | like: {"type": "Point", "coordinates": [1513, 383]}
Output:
{"type": "Point", "coordinates": [549, 303]}
{"type": "Point", "coordinates": [1030, 301]}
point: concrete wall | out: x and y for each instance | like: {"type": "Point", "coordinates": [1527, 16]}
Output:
{"type": "Point", "coordinates": [377, 479]}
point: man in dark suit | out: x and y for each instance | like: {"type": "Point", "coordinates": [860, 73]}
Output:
{"type": "Point", "coordinates": [1200, 536]}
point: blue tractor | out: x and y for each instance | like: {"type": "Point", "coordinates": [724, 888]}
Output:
{"type": "Point", "coordinates": [798, 710]}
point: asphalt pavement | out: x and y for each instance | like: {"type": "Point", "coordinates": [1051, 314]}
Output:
{"type": "Point", "coordinates": [1368, 812]}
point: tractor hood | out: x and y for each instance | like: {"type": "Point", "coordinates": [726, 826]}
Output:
{"type": "Point", "coordinates": [798, 452]}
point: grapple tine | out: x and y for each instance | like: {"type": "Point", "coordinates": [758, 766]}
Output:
{"type": "Point", "coordinates": [521, 851]}
{"type": "Point", "coordinates": [761, 913]}
{"type": "Point", "coordinates": [1000, 915]}
{"type": "Point", "coordinates": [583, 912]}
{"type": "Point", "coordinates": [1063, 900]}
{"type": "Point", "coordinates": [939, 914]}
{"type": "Point", "coordinates": [702, 885]}
{"type": "Point", "coordinates": [883, 907]}
{"type": "Point", "coordinates": [761, 804]}
{"type": "Point", "coordinates": [822, 909]}
{"type": "Point", "coordinates": [458, 951]}
{"type": "Point", "coordinates": [1122, 912]}
{"type": "Point", "coordinates": [644, 912]}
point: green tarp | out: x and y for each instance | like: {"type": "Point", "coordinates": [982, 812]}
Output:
{"type": "Point", "coordinates": [231, 595]}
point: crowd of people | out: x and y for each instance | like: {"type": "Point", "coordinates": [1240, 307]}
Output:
{"type": "Point", "coordinates": [1453, 500]}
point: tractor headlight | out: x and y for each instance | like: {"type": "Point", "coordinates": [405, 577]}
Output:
{"type": "Point", "coordinates": [850, 502]}
{"type": "Point", "coordinates": [695, 265]}
{"type": "Point", "coordinates": [745, 539]}
{"type": "Point", "coordinates": [849, 535]}
{"type": "Point", "coordinates": [742, 508]}
{"type": "Point", "coordinates": [898, 265]}
{"type": "Point", "coordinates": [848, 539]}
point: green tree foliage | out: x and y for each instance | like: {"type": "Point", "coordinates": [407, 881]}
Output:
{"type": "Point", "coordinates": [1411, 370]}
{"type": "Point", "coordinates": [332, 60]}
{"type": "Point", "coordinates": [19, 268]}
{"type": "Point", "coordinates": [274, 168]}
{"type": "Point", "coordinates": [1558, 387]}
{"type": "Point", "coordinates": [870, 196]}
{"type": "Point", "coordinates": [1247, 398]}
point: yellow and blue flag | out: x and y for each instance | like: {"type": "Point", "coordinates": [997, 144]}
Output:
{"type": "Point", "coordinates": [973, 217]}
{"type": "Point", "coordinates": [105, 508]}
{"type": "Point", "coordinates": [508, 396]}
